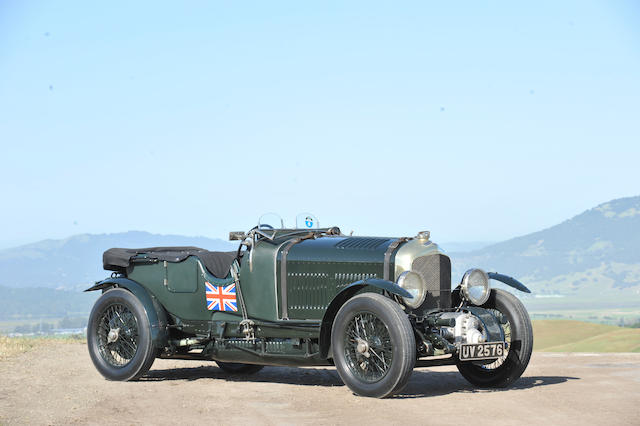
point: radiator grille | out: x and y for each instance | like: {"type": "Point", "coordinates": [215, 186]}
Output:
{"type": "Point", "coordinates": [436, 273]}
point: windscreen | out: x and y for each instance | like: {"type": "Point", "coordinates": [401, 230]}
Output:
{"type": "Point", "coordinates": [270, 221]}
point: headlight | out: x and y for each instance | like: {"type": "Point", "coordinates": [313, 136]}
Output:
{"type": "Point", "coordinates": [412, 282]}
{"type": "Point", "coordinates": [475, 286]}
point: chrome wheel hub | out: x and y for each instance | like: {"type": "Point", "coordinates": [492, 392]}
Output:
{"type": "Point", "coordinates": [363, 348]}
{"type": "Point", "coordinates": [113, 335]}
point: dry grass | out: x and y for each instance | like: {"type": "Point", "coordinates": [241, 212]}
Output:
{"type": "Point", "coordinates": [12, 346]}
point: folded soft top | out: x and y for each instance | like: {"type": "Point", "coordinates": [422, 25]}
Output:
{"type": "Point", "coordinates": [216, 262]}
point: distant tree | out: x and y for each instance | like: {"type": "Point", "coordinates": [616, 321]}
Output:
{"type": "Point", "coordinates": [22, 329]}
{"type": "Point", "coordinates": [635, 324]}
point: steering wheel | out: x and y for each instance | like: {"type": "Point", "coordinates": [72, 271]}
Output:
{"type": "Point", "coordinates": [260, 227]}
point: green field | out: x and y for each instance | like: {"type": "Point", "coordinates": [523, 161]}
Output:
{"type": "Point", "coordinates": [578, 336]}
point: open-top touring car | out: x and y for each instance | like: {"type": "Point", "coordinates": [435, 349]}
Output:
{"type": "Point", "coordinates": [375, 307]}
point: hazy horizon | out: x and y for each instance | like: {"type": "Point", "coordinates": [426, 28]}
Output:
{"type": "Point", "coordinates": [450, 245]}
{"type": "Point", "coordinates": [464, 245]}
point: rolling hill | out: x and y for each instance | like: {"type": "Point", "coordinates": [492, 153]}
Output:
{"type": "Point", "coordinates": [75, 262]}
{"type": "Point", "coordinates": [592, 256]}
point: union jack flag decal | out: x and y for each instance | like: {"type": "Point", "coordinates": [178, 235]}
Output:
{"type": "Point", "coordinates": [221, 298]}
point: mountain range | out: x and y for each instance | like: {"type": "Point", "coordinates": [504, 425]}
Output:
{"type": "Point", "coordinates": [589, 259]}
{"type": "Point", "coordinates": [46, 279]}
{"type": "Point", "coordinates": [75, 262]}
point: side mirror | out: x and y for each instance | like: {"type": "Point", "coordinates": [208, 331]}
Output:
{"type": "Point", "coordinates": [235, 236]}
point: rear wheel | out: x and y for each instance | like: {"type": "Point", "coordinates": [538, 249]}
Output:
{"type": "Point", "coordinates": [519, 336]}
{"type": "Point", "coordinates": [119, 336]}
{"type": "Point", "coordinates": [239, 368]}
{"type": "Point", "coordinates": [374, 347]}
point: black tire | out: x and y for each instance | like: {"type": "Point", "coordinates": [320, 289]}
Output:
{"type": "Point", "coordinates": [374, 348]}
{"type": "Point", "coordinates": [131, 354]}
{"type": "Point", "coordinates": [518, 333]}
{"type": "Point", "coordinates": [239, 368]}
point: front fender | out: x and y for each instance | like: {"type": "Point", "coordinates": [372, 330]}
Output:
{"type": "Point", "coordinates": [154, 310]}
{"type": "Point", "coordinates": [345, 294]}
{"type": "Point", "coordinates": [510, 281]}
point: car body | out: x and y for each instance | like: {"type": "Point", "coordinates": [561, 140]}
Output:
{"type": "Point", "coordinates": [375, 307]}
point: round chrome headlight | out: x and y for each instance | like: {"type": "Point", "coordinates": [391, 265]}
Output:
{"type": "Point", "coordinates": [475, 286]}
{"type": "Point", "coordinates": [413, 283]}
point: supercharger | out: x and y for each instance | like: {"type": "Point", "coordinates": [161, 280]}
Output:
{"type": "Point", "coordinates": [468, 328]}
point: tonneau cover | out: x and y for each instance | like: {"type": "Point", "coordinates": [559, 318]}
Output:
{"type": "Point", "coordinates": [216, 262]}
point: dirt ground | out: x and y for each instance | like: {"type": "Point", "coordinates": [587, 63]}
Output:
{"type": "Point", "coordinates": [59, 385]}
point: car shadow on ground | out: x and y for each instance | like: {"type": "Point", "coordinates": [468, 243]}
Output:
{"type": "Point", "coordinates": [423, 383]}
{"type": "Point", "coordinates": [285, 375]}
{"type": "Point", "coordinates": [435, 383]}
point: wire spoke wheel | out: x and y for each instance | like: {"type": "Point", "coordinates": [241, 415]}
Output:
{"type": "Point", "coordinates": [506, 328]}
{"type": "Point", "coordinates": [373, 345]}
{"type": "Point", "coordinates": [368, 349]}
{"type": "Point", "coordinates": [518, 333]}
{"type": "Point", "coordinates": [117, 335]}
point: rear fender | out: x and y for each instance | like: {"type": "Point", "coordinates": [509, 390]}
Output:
{"type": "Point", "coordinates": [154, 310]}
{"type": "Point", "coordinates": [347, 293]}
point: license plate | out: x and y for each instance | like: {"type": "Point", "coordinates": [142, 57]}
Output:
{"type": "Point", "coordinates": [489, 350]}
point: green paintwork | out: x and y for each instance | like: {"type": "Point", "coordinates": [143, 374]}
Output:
{"type": "Point", "coordinates": [179, 286]}
{"type": "Point", "coordinates": [291, 328]}
{"type": "Point", "coordinates": [317, 269]}
{"type": "Point", "coordinates": [258, 281]}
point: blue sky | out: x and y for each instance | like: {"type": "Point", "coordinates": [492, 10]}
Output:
{"type": "Point", "coordinates": [478, 122]}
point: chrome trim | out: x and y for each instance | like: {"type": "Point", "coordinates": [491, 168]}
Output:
{"type": "Point", "coordinates": [387, 256]}
{"type": "Point", "coordinates": [423, 235]}
{"type": "Point", "coordinates": [413, 304]}
{"type": "Point", "coordinates": [464, 286]}
{"type": "Point", "coordinates": [406, 254]}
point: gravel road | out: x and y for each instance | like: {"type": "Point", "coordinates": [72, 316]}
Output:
{"type": "Point", "coordinates": [58, 384]}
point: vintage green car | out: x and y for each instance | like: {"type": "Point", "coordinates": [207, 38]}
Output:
{"type": "Point", "coordinates": [375, 307]}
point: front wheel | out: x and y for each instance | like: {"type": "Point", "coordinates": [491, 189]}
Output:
{"type": "Point", "coordinates": [119, 336]}
{"type": "Point", "coordinates": [374, 348]}
{"type": "Point", "coordinates": [519, 337]}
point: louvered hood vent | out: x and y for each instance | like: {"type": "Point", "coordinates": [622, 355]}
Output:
{"type": "Point", "coordinates": [363, 243]}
